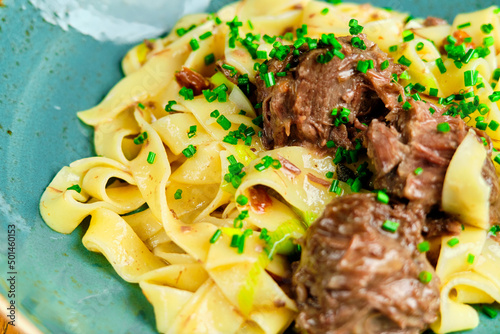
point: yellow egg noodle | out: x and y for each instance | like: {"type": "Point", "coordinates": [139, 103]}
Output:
{"type": "Point", "coordinates": [179, 249]}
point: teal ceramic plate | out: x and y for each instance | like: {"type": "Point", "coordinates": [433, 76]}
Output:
{"type": "Point", "coordinates": [46, 75]}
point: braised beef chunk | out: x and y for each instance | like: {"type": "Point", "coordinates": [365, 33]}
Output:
{"type": "Point", "coordinates": [411, 156]}
{"type": "Point", "coordinates": [297, 110]}
{"type": "Point", "coordinates": [431, 21]}
{"type": "Point", "coordinates": [356, 277]}
{"type": "Point", "coordinates": [192, 80]}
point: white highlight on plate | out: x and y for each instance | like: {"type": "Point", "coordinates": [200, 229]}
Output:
{"type": "Point", "coordinates": [120, 21]}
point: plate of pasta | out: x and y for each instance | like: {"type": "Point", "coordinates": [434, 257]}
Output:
{"type": "Point", "coordinates": [276, 166]}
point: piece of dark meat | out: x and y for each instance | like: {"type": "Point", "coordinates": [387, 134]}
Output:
{"type": "Point", "coordinates": [432, 21]}
{"type": "Point", "coordinates": [356, 277]}
{"type": "Point", "coordinates": [192, 80]}
{"type": "Point", "coordinates": [297, 110]}
{"type": "Point", "coordinates": [409, 140]}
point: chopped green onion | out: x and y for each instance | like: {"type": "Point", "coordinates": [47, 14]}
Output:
{"type": "Point", "coordinates": [408, 36]}
{"type": "Point", "coordinates": [194, 44]}
{"type": "Point", "coordinates": [419, 46]}
{"type": "Point", "coordinates": [187, 93]}
{"type": "Point", "coordinates": [423, 247]}
{"type": "Point", "coordinates": [215, 113]}
{"type": "Point", "coordinates": [362, 66]}
{"type": "Point", "coordinates": [250, 24]}
{"type": "Point", "coordinates": [493, 125]}
{"type": "Point", "coordinates": [468, 56]}
{"type": "Point", "coordinates": [470, 78]}
{"type": "Point", "coordinates": [496, 74]}
{"type": "Point", "coordinates": [490, 312]}
{"type": "Point", "coordinates": [487, 28]}
{"type": "Point", "coordinates": [443, 127]}
{"type": "Point", "coordinates": [75, 187]}
{"type": "Point", "coordinates": [425, 277]}
{"type": "Point", "coordinates": [269, 79]}
{"type": "Point", "coordinates": [382, 197]}
{"type": "Point", "coordinates": [330, 144]}
{"type": "Point", "coordinates": [141, 138]}
{"type": "Point", "coordinates": [329, 175]}
{"type": "Point", "coordinates": [404, 61]}
{"type": "Point", "coordinates": [189, 151]}
{"type": "Point", "coordinates": [488, 41]}
{"type": "Point", "coordinates": [169, 105]}
{"type": "Point", "coordinates": [325, 11]}
{"type": "Point", "coordinates": [242, 200]}
{"type": "Point", "coordinates": [215, 236]}
{"type": "Point", "coordinates": [140, 105]}
{"type": "Point", "coordinates": [453, 242]}
{"type": "Point", "coordinates": [209, 59]}
{"type": "Point", "coordinates": [494, 97]}
{"type": "Point", "coordinates": [393, 48]}
{"type": "Point", "coordinates": [470, 258]}
{"type": "Point", "coordinates": [463, 25]}
{"type": "Point", "coordinates": [224, 122]}
{"type": "Point", "coordinates": [407, 105]}
{"type": "Point", "coordinates": [384, 65]}
{"type": "Point", "coordinates": [192, 131]}
{"type": "Point", "coordinates": [151, 157]}
{"type": "Point", "coordinates": [418, 171]}
{"type": "Point", "coordinates": [178, 194]}
{"type": "Point", "coordinates": [334, 186]}
{"type": "Point", "coordinates": [433, 92]}
{"type": "Point", "coordinates": [440, 65]}
{"type": "Point", "coordinates": [205, 35]}
{"type": "Point", "coordinates": [390, 226]}
{"type": "Point", "coordinates": [261, 54]}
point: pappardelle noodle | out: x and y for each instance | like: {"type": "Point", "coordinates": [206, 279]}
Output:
{"type": "Point", "coordinates": [185, 201]}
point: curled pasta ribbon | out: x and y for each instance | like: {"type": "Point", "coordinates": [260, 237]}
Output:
{"type": "Point", "coordinates": [110, 235]}
{"type": "Point", "coordinates": [63, 209]}
{"type": "Point", "coordinates": [469, 273]}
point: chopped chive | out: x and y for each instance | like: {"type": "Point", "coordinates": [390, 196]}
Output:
{"type": "Point", "coordinates": [269, 79]}
{"type": "Point", "coordinates": [141, 138]}
{"type": "Point", "coordinates": [393, 48]}
{"type": "Point", "coordinates": [250, 24]}
{"type": "Point", "coordinates": [468, 56]}
{"type": "Point", "coordinates": [75, 187]}
{"type": "Point", "coordinates": [443, 127]}
{"type": "Point", "coordinates": [194, 44]}
{"type": "Point", "coordinates": [362, 66]}
{"type": "Point", "coordinates": [404, 61]}
{"type": "Point", "coordinates": [189, 151]}
{"type": "Point", "coordinates": [423, 247]}
{"type": "Point", "coordinates": [464, 25]}
{"type": "Point", "coordinates": [419, 46]}
{"type": "Point", "coordinates": [425, 277]}
{"type": "Point", "coordinates": [493, 125]}
{"type": "Point", "coordinates": [187, 93]}
{"type": "Point", "coordinates": [488, 41]}
{"type": "Point", "coordinates": [408, 36]}
{"type": "Point", "coordinates": [470, 78]}
{"type": "Point", "coordinates": [242, 200]}
{"type": "Point", "coordinates": [209, 59]}
{"type": "Point", "coordinates": [261, 54]}
{"type": "Point", "coordinates": [329, 175]}
{"type": "Point", "coordinates": [151, 157]}
{"type": "Point", "coordinates": [224, 122]}
{"type": "Point", "coordinates": [433, 92]}
{"type": "Point", "coordinates": [487, 28]}
{"type": "Point", "coordinates": [178, 194]}
{"type": "Point", "coordinates": [215, 114]}
{"type": "Point", "coordinates": [384, 65]}
{"type": "Point", "coordinates": [418, 171]}
{"type": "Point", "coordinates": [453, 242]}
{"type": "Point", "coordinates": [330, 144]}
{"type": "Point", "coordinates": [490, 312]}
{"type": "Point", "coordinates": [235, 241]}
{"type": "Point", "coordinates": [494, 97]}
{"type": "Point", "coordinates": [382, 197]}
{"type": "Point", "coordinates": [334, 186]}
{"type": "Point", "coordinates": [407, 105]}
{"type": "Point", "coordinates": [390, 226]}
{"type": "Point", "coordinates": [470, 258]}
{"type": "Point", "coordinates": [496, 74]}
{"type": "Point", "coordinates": [325, 11]}
{"type": "Point", "coordinates": [169, 105]}
{"type": "Point", "coordinates": [140, 105]}
{"type": "Point", "coordinates": [192, 131]}
{"type": "Point", "coordinates": [440, 65]}
{"type": "Point", "coordinates": [205, 35]}
{"type": "Point", "coordinates": [215, 236]}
